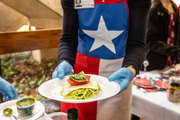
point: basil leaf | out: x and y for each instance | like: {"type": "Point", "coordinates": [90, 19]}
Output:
{"type": "Point", "coordinates": [79, 77]}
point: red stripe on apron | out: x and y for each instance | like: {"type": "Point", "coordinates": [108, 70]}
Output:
{"type": "Point", "coordinates": [90, 65]}
{"type": "Point", "coordinates": [86, 111]}
{"type": "Point", "coordinates": [108, 1]}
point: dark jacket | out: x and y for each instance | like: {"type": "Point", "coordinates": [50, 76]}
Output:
{"type": "Point", "coordinates": [157, 34]}
{"type": "Point", "coordinates": [135, 51]}
{"type": "Point", "coordinates": [0, 67]}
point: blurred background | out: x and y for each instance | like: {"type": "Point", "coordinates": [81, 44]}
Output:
{"type": "Point", "coordinates": [41, 14]}
{"type": "Point", "coordinates": [26, 70]}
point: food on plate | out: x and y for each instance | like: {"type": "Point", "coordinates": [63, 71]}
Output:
{"type": "Point", "coordinates": [161, 84]}
{"type": "Point", "coordinates": [7, 111]}
{"type": "Point", "coordinates": [151, 90]}
{"type": "Point", "coordinates": [25, 102]}
{"type": "Point", "coordinates": [78, 79]}
{"type": "Point", "coordinates": [143, 82]}
{"type": "Point", "coordinates": [25, 106]}
{"type": "Point", "coordinates": [80, 87]}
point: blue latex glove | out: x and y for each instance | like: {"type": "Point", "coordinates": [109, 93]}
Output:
{"type": "Point", "coordinates": [62, 70]}
{"type": "Point", "coordinates": [123, 77]}
{"type": "Point", "coordinates": [7, 90]}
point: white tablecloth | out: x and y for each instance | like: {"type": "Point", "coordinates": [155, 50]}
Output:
{"type": "Point", "coordinates": [154, 106]}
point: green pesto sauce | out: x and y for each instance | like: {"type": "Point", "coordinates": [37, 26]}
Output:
{"type": "Point", "coordinates": [25, 103]}
{"type": "Point", "coordinates": [7, 111]}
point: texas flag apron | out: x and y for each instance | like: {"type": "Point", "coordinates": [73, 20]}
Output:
{"type": "Point", "coordinates": [102, 39]}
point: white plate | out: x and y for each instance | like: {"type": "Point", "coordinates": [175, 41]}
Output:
{"type": "Point", "coordinates": [51, 89]}
{"type": "Point", "coordinates": [37, 112]}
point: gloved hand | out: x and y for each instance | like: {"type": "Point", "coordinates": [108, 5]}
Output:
{"type": "Point", "coordinates": [62, 70]}
{"type": "Point", "coordinates": [123, 77]}
{"type": "Point", "coordinates": [7, 90]}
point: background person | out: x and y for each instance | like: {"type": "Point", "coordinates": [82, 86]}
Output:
{"type": "Point", "coordinates": [163, 35]}
{"type": "Point", "coordinates": [94, 40]}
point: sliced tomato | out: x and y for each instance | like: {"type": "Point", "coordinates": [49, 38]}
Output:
{"type": "Point", "coordinates": [72, 82]}
{"type": "Point", "coordinates": [161, 84]}
{"type": "Point", "coordinates": [141, 81]}
{"type": "Point", "coordinates": [152, 90]}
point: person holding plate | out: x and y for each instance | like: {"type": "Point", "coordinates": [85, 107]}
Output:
{"type": "Point", "coordinates": [106, 39]}
{"type": "Point", "coordinates": [6, 89]}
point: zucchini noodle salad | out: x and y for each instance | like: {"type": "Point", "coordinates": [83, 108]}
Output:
{"type": "Point", "coordinates": [79, 87]}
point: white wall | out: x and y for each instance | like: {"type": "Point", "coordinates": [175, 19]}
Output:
{"type": "Point", "coordinates": [177, 2]}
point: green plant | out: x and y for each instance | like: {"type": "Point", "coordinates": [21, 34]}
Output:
{"type": "Point", "coordinates": [27, 74]}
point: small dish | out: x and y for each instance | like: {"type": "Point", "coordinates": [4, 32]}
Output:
{"type": "Point", "coordinates": [25, 106]}
{"type": "Point", "coordinates": [38, 111]}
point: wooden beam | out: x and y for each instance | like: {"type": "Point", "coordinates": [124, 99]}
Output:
{"type": "Point", "coordinates": [31, 40]}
